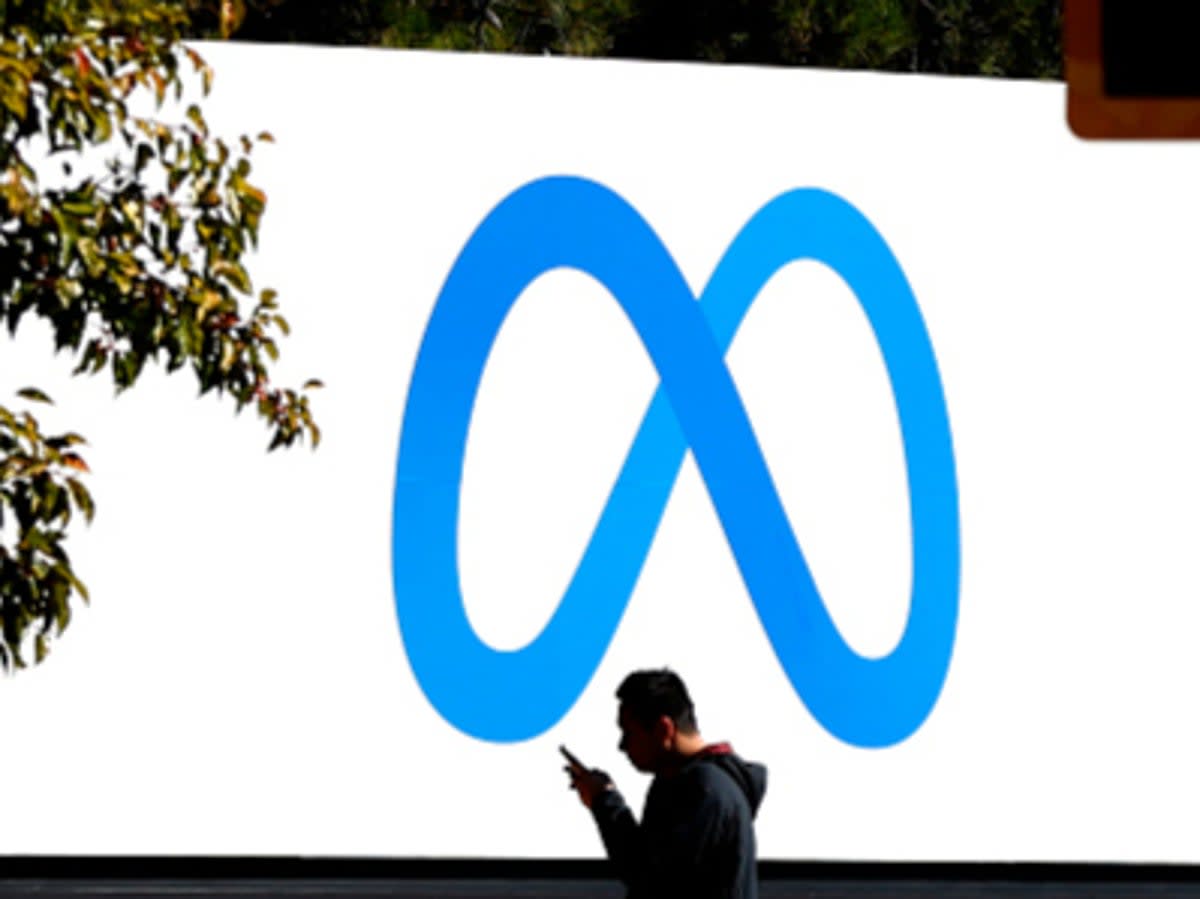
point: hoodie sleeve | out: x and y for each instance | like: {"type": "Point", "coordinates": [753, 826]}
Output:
{"type": "Point", "coordinates": [654, 854]}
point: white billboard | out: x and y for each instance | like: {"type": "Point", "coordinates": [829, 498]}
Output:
{"type": "Point", "coordinates": [866, 402]}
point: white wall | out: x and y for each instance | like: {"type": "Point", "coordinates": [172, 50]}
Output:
{"type": "Point", "coordinates": [239, 684]}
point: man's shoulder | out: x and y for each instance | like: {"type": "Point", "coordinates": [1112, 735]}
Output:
{"type": "Point", "coordinates": [722, 773]}
{"type": "Point", "coordinates": [710, 778]}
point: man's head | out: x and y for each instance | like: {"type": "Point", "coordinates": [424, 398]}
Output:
{"type": "Point", "coordinates": [656, 718]}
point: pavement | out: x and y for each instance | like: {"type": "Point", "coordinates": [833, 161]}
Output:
{"type": "Point", "coordinates": [258, 878]}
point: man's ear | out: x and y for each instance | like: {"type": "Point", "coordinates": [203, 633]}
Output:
{"type": "Point", "coordinates": [664, 731]}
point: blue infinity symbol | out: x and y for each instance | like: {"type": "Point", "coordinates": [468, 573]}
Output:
{"type": "Point", "coordinates": [506, 695]}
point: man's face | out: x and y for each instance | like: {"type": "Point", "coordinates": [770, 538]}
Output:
{"type": "Point", "coordinates": [642, 745]}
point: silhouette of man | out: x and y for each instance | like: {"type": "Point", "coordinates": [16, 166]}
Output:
{"type": "Point", "coordinates": [696, 836]}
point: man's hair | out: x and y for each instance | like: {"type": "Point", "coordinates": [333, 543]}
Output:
{"type": "Point", "coordinates": [648, 695]}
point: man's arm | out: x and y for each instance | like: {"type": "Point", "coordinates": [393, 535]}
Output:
{"type": "Point", "coordinates": [670, 847]}
{"type": "Point", "coordinates": [622, 838]}
{"type": "Point", "coordinates": [619, 830]}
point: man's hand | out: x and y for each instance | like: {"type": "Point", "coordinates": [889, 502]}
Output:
{"type": "Point", "coordinates": [588, 783]}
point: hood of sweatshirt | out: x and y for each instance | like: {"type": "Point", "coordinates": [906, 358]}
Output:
{"type": "Point", "coordinates": [751, 777]}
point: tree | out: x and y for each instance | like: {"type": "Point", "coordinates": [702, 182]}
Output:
{"type": "Point", "coordinates": [576, 27]}
{"type": "Point", "coordinates": [142, 263]}
{"type": "Point", "coordinates": [357, 22]}
{"type": "Point", "coordinates": [1013, 38]}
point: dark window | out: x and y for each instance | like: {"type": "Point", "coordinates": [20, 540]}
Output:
{"type": "Point", "coordinates": [1151, 48]}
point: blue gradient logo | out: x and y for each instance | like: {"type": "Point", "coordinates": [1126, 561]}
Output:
{"type": "Point", "coordinates": [507, 695]}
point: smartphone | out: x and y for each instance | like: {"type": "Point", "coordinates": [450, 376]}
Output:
{"type": "Point", "coordinates": [571, 759]}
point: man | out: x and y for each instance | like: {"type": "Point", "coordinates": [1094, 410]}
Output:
{"type": "Point", "coordinates": [696, 837]}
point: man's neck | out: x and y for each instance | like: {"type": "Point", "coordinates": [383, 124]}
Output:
{"type": "Point", "coordinates": [686, 746]}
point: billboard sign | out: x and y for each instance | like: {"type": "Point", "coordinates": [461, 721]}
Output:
{"type": "Point", "coordinates": [865, 402]}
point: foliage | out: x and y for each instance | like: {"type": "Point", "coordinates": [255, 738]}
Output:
{"type": "Point", "coordinates": [143, 261]}
{"type": "Point", "coordinates": [354, 22]}
{"type": "Point", "coordinates": [1015, 38]}
{"type": "Point", "coordinates": [40, 488]}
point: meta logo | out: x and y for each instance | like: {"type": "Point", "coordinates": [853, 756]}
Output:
{"type": "Point", "coordinates": [563, 222]}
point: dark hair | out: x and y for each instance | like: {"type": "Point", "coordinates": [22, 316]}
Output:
{"type": "Point", "coordinates": [648, 695]}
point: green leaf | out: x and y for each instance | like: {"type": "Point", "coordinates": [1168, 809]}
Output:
{"type": "Point", "coordinates": [61, 592]}
{"type": "Point", "coordinates": [64, 440]}
{"type": "Point", "coordinates": [83, 499]}
{"type": "Point", "coordinates": [209, 300]}
{"type": "Point", "coordinates": [15, 101]}
{"type": "Point", "coordinates": [145, 153]}
{"type": "Point", "coordinates": [79, 586]}
{"type": "Point", "coordinates": [53, 502]}
{"type": "Point", "coordinates": [34, 395]}
{"type": "Point", "coordinates": [34, 539]}
{"type": "Point", "coordinates": [196, 117]}
{"type": "Point", "coordinates": [79, 208]}
{"type": "Point", "coordinates": [228, 356]}
{"type": "Point", "coordinates": [126, 367]}
{"type": "Point", "coordinates": [234, 273]}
